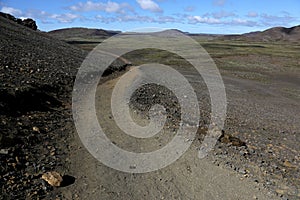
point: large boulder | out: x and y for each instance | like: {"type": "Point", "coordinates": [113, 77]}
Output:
{"type": "Point", "coordinates": [30, 23]}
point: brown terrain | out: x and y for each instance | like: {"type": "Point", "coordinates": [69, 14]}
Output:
{"type": "Point", "coordinates": [291, 34]}
{"type": "Point", "coordinates": [257, 156]}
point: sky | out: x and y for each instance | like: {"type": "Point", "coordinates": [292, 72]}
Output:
{"type": "Point", "coordinates": [202, 16]}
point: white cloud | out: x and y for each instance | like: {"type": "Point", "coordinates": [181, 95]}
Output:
{"type": "Point", "coordinates": [124, 18]}
{"type": "Point", "coordinates": [206, 20]}
{"type": "Point", "coordinates": [226, 19]}
{"type": "Point", "coordinates": [189, 9]}
{"type": "Point", "coordinates": [149, 5]}
{"type": "Point", "coordinates": [47, 18]}
{"type": "Point", "coordinates": [219, 2]}
{"type": "Point", "coordinates": [137, 18]}
{"type": "Point", "coordinates": [12, 11]}
{"type": "Point", "coordinates": [64, 18]}
{"type": "Point", "coordinates": [211, 20]}
{"type": "Point", "coordinates": [277, 20]}
{"type": "Point", "coordinates": [106, 20]}
{"type": "Point", "coordinates": [242, 22]}
{"type": "Point", "coordinates": [252, 14]}
{"type": "Point", "coordinates": [110, 7]}
{"type": "Point", "coordinates": [220, 14]}
{"type": "Point", "coordinates": [166, 19]}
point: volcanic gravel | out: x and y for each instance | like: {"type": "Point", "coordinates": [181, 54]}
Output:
{"type": "Point", "coordinates": [36, 73]}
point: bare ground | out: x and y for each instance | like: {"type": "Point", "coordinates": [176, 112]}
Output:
{"type": "Point", "coordinates": [38, 134]}
{"type": "Point", "coordinates": [187, 178]}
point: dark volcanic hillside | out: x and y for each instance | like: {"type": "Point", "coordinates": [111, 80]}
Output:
{"type": "Point", "coordinates": [34, 58]}
{"type": "Point", "coordinates": [270, 35]}
{"type": "Point", "coordinates": [36, 75]}
{"type": "Point", "coordinates": [37, 72]}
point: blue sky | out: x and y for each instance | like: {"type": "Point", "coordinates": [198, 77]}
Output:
{"type": "Point", "coordinates": [202, 16]}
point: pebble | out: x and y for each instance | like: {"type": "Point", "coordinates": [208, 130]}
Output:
{"type": "Point", "coordinates": [53, 178]}
{"type": "Point", "coordinates": [242, 171]}
{"type": "Point", "coordinates": [288, 164]}
{"type": "Point", "coordinates": [36, 129]}
{"type": "Point", "coordinates": [280, 191]}
{"type": "Point", "coordinates": [4, 151]}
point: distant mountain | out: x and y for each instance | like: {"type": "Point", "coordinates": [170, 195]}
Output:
{"type": "Point", "coordinates": [70, 33]}
{"type": "Point", "coordinates": [270, 35]}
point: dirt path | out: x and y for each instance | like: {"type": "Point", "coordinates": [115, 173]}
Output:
{"type": "Point", "coordinates": [187, 178]}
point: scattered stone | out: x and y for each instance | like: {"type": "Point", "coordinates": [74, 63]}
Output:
{"type": "Point", "coordinates": [288, 164]}
{"type": "Point", "coordinates": [53, 178]}
{"type": "Point", "coordinates": [4, 151]}
{"type": "Point", "coordinates": [35, 129]}
{"type": "Point", "coordinates": [280, 191]}
{"type": "Point", "coordinates": [35, 84]}
{"type": "Point", "coordinates": [242, 171]}
{"type": "Point", "coordinates": [231, 140]}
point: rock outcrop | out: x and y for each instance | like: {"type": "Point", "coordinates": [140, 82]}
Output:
{"type": "Point", "coordinates": [30, 23]}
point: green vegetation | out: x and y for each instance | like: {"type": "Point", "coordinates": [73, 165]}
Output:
{"type": "Point", "coordinates": [249, 60]}
{"type": "Point", "coordinates": [226, 48]}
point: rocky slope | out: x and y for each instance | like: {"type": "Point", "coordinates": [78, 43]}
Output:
{"type": "Point", "coordinates": [37, 72]}
{"type": "Point", "coordinates": [36, 75]}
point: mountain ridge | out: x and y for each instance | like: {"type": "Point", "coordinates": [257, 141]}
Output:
{"type": "Point", "coordinates": [66, 33]}
{"type": "Point", "coordinates": [273, 34]}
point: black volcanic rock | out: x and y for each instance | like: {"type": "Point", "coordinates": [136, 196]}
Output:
{"type": "Point", "coordinates": [8, 16]}
{"type": "Point", "coordinates": [30, 23]}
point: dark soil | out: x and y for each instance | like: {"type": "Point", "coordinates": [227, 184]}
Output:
{"type": "Point", "coordinates": [36, 73]}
